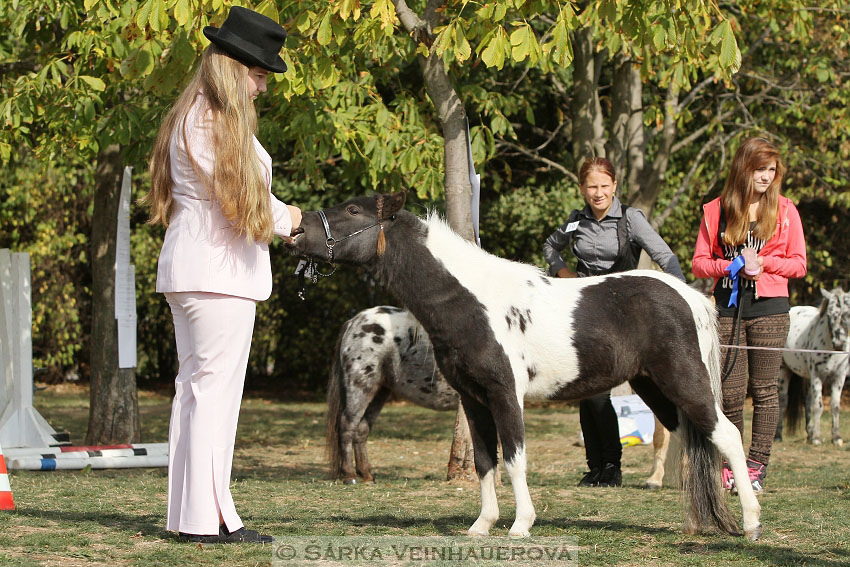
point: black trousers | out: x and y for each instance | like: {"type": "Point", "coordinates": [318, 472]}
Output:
{"type": "Point", "coordinates": [601, 431]}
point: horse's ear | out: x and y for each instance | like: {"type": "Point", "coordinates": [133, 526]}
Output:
{"type": "Point", "coordinates": [393, 203]}
{"type": "Point", "coordinates": [823, 304]}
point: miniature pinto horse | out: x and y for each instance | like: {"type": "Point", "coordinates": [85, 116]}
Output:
{"type": "Point", "coordinates": [380, 351]}
{"type": "Point", "coordinates": [813, 328]}
{"type": "Point", "coordinates": [502, 331]}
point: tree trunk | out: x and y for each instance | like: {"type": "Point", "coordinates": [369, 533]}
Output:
{"type": "Point", "coordinates": [621, 111]}
{"type": "Point", "coordinates": [588, 132]}
{"type": "Point", "coordinates": [114, 406]}
{"type": "Point", "coordinates": [452, 118]}
{"type": "Point", "coordinates": [651, 178]}
{"type": "Point", "coordinates": [626, 145]}
{"type": "Point", "coordinates": [461, 456]}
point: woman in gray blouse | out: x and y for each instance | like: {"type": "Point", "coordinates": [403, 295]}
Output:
{"type": "Point", "coordinates": [605, 237]}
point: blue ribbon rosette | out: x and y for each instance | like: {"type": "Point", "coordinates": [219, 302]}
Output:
{"type": "Point", "coordinates": [734, 275]}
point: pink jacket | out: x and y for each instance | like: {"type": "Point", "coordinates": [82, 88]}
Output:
{"type": "Point", "coordinates": [784, 255]}
{"type": "Point", "coordinates": [201, 252]}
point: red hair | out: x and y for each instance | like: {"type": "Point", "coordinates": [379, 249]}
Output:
{"type": "Point", "coordinates": [596, 164]}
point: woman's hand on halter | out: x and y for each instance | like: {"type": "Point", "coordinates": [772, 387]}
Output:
{"type": "Point", "coordinates": [295, 215]}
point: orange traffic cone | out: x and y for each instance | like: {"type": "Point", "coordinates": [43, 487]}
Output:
{"type": "Point", "coordinates": [6, 502]}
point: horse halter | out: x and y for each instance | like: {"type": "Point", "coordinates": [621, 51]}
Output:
{"type": "Point", "coordinates": [330, 241]}
{"type": "Point", "coordinates": [310, 269]}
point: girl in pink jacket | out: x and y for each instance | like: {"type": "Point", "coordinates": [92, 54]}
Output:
{"type": "Point", "coordinates": [211, 186]}
{"type": "Point", "coordinates": [751, 242]}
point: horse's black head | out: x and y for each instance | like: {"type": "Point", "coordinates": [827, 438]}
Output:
{"type": "Point", "coordinates": [351, 233]}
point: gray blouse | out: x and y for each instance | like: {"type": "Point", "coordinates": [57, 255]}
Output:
{"type": "Point", "coordinates": [595, 242]}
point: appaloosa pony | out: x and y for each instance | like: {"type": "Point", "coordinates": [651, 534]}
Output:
{"type": "Point", "coordinates": [380, 351]}
{"type": "Point", "coordinates": [826, 328]}
{"type": "Point", "coordinates": [502, 331]}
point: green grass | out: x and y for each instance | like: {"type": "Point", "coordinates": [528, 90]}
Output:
{"type": "Point", "coordinates": [117, 517]}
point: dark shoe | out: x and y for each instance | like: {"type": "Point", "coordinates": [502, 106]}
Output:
{"type": "Point", "coordinates": [239, 536]}
{"type": "Point", "coordinates": [591, 478]}
{"type": "Point", "coordinates": [611, 476]}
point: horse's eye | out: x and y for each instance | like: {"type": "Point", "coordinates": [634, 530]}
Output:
{"type": "Point", "coordinates": [352, 210]}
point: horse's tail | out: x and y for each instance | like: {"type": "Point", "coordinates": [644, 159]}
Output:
{"type": "Point", "coordinates": [796, 396]}
{"type": "Point", "coordinates": [700, 479]}
{"type": "Point", "coordinates": [336, 405]}
{"type": "Point", "coordinates": [701, 462]}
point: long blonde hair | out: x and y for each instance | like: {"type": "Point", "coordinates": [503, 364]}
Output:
{"type": "Point", "coordinates": [738, 191]}
{"type": "Point", "coordinates": [238, 184]}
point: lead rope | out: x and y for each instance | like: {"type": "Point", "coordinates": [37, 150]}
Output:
{"type": "Point", "coordinates": [307, 268]}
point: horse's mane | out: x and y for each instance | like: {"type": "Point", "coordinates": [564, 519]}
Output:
{"type": "Point", "coordinates": [451, 242]}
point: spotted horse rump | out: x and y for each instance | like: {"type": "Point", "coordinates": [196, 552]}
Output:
{"type": "Point", "coordinates": [381, 351]}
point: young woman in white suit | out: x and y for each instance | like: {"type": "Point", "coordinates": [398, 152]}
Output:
{"type": "Point", "coordinates": [211, 186]}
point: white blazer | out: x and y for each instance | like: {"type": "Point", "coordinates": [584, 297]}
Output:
{"type": "Point", "coordinates": [201, 252]}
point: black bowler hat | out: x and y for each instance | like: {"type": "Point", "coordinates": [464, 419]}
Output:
{"type": "Point", "coordinates": [250, 37]}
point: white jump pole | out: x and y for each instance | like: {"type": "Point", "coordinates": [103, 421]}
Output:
{"type": "Point", "coordinates": [39, 464]}
{"type": "Point", "coordinates": [20, 424]}
{"type": "Point", "coordinates": [135, 449]}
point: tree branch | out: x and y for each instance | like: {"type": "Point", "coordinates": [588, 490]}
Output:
{"type": "Point", "coordinates": [18, 67]}
{"type": "Point", "coordinates": [537, 157]}
{"type": "Point", "coordinates": [410, 20]}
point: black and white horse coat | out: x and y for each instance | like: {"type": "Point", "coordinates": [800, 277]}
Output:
{"type": "Point", "coordinates": [380, 351]}
{"type": "Point", "coordinates": [826, 328]}
{"type": "Point", "coordinates": [503, 331]}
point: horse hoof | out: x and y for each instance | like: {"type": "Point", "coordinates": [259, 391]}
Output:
{"type": "Point", "coordinates": [653, 486]}
{"type": "Point", "coordinates": [839, 442]}
{"type": "Point", "coordinates": [817, 442]}
{"type": "Point", "coordinates": [754, 533]}
{"type": "Point", "coordinates": [477, 533]}
{"type": "Point", "coordinates": [350, 481]}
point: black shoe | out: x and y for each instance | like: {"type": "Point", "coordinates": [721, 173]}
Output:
{"type": "Point", "coordinates": [591, 478]}
{"type": "Point", "coordinates": [611, 476]}
{"type": "Point", "coordinates": [239, 536]}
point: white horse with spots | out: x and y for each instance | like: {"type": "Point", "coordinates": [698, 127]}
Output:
{"type": "Point", "coordinates": [824, 328]}
{"type": "Point", "coordinates": [381, 351]}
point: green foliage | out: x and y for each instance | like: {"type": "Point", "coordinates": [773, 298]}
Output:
{"type": "Point", "coordinates": [516, 224]}
{"type": "Point", "coordinates": [672, 40]}
{"type": "Point", "coordinates": [45, 213]}
{"type": "Point", "coordinates": [351, 115]}
{"type": "Point", "coordinates": [360, 67]}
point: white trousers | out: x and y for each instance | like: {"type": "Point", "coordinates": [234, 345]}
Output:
{"type": "Point", "coordinates": [213, 334]}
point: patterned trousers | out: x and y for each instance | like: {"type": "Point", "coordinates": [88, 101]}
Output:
{"type": "Point", "coordinates": [762, 369]}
